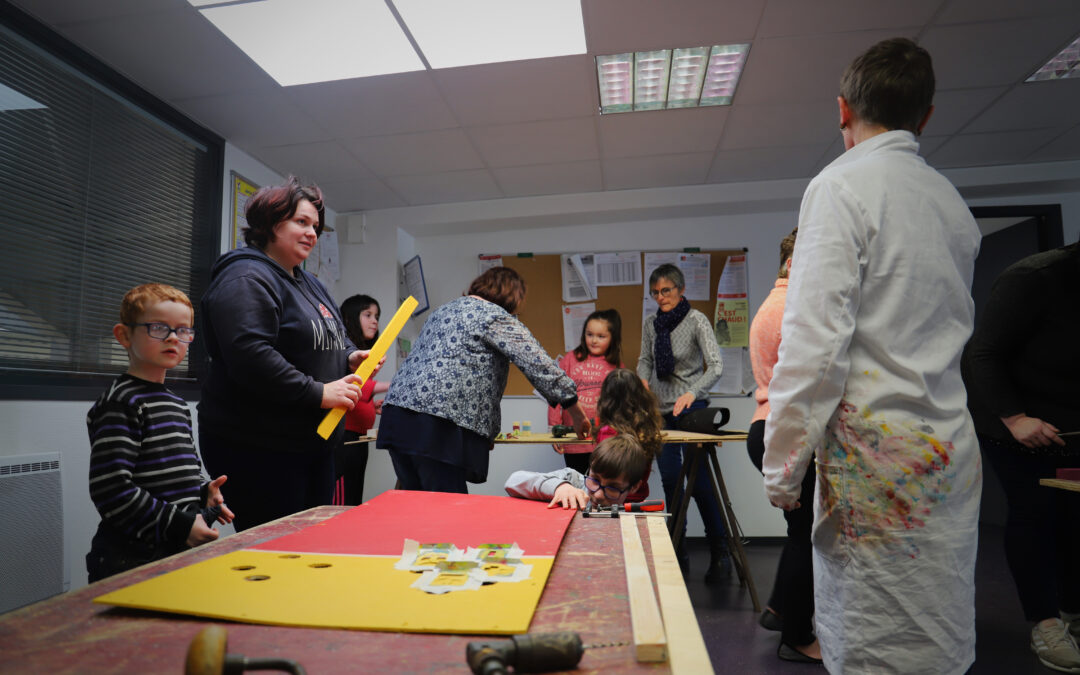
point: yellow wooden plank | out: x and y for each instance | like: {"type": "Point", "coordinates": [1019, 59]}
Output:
{"type": "Point", "coordinates": [649, 641]}
{"type": "Point", "coordinates": [378, 350]}
{"type": "Point", "coordinates": [686, 647]}
{"type": "Point", "coordinates": [333, 591]}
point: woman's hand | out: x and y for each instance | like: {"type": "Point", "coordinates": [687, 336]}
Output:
{"type": "Point", "coordinates": [682, 403]}
{"type": "Point", "coordinates": [215, 498]}
{"type": "Point", "coordinates": [359, 356]}
{"type": "Point", "coordinates": [343, 393]}
{"type": "Point", "coordinates": [1032, 432]}
{"type": "Point", "coordinates": [580, 420]}
{"type": "Point", "coordinates": [569, 497]}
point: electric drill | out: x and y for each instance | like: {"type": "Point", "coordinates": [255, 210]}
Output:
{"type": "Point", "coordinates": [536, 653]}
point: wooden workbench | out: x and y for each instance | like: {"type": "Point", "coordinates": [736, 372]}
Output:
{"type": "Point", "coordinates": [670, 436]}
{"type": "Point", "coordinates": [586, 592]}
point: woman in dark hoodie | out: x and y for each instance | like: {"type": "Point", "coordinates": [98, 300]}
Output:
{"type": "Point", "coordinates": [279, 358]}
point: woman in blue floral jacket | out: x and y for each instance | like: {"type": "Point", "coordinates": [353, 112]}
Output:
{"type": "Point", "coordinates": [442, 413]}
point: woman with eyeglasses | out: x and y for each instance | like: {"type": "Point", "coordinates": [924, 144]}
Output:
{"type": "Point", "coordinates": [680, 360]}
{"type": "Point", "coordinates": [279, 359]}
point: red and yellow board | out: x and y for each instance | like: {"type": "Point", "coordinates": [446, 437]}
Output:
{"type": "Point", "coordinates": [340, 573]}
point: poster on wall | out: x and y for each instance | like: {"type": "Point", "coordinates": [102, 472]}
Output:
{"type": "Point", "coordinates": [242, 190]}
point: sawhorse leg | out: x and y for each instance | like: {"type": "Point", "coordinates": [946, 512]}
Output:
{"type": "Point", "coordinates": [685, 490]}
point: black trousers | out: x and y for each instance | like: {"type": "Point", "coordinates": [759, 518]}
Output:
{"type": "Point", "coordinates": [793, 590]}
{"type": "Point", "coordinates": [1042, 530]}
{"type": "Point", "coordinates": [350, 463]}
{"type": "Point", "coordinates": [267, 484]}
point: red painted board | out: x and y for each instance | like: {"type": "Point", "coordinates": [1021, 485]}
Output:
{"type": "Point", "coordinates": [381, 525]}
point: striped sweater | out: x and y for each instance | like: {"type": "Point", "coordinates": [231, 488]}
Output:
{"type": "Point", "coordinates": [145, 477]}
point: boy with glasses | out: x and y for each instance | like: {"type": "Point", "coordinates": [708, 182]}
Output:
{"type": "Point", "coordinates": [145, 477]}
{"type": "Point", "coordinates": [617, 469]}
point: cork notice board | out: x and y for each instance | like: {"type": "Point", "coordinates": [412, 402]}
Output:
{"type": "Point", "coordinates": [541, 312]}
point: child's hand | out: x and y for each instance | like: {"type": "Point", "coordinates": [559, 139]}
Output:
{"type": "Point", "coordinates": [200, 533]}
{"type": "Point", "coordinates": [215, 498]}
{"type": "Point", "coordinates": [569, 497]}
{"type": "Point", "coordinates": [558, 448]}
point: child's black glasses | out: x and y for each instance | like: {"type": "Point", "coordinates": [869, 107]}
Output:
{"type": "Point", "coordinates": [610, 491]}
{"type": "Point", "coordinates": [161, 331]}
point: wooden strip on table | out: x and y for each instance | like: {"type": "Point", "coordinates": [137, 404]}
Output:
{"type": "Point", "coordinates": [686, 647]}
{"type": "Point", "coordinates": [649, 641]}
{"type": "Point", "coordinates": [1061, 483]}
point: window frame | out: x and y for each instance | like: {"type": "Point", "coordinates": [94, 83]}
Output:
{"type": "Point", "coordinates": [88, 386]}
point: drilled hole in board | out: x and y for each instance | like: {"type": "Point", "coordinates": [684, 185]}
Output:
{"type": "Point", "coordinates": [289, 556]}
{"type": "Point", "coordinates": [256, 577]}
{"type": "Point", "coordinates": [243, 568]}
{"type": "Point", "coordinates": [320, 565]}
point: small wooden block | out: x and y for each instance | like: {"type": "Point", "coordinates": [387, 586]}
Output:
{"type": "Point", "coordinates": [650, 644]}
{"type": "Point", "coordinates": [686, 647]}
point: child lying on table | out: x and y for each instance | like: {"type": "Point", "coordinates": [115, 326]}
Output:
{"type": "Point", "coordinates": [617, 468]}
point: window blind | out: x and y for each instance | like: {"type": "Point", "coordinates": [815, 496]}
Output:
{"type": "Point", "coordinates": [99, 194]}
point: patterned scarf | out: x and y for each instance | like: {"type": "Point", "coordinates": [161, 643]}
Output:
{"type": "Point", "coordinates": [665, 322]}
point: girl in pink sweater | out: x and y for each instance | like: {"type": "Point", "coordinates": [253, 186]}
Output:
{"type": "Point", "coordinates": [599, 353]}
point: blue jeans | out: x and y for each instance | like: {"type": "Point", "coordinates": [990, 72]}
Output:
{"type": "Point", "coordinates": [670, 463]}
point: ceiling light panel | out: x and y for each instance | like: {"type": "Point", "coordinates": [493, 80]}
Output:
{"type": "Point", "coordinates": [355, 38]}
{"type": "Point", "coordinates": [651, 70]}
{"type": "Point", "coordinates": [1065, 64]}
{"type": "Point", "coordinates": [471, 32]}
{"type": "Point", "coordinates": [615, 75]}
{"type": "Point", "coordinates": [688, 68]}
{"type": "Point", "coordinates": [725, 66]}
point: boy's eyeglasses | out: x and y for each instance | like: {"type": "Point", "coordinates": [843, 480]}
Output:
{"type": "Point", "coordinates": [610, 491]}
{"type": "Point", "coordinates": [657, 292]}
{"type": "Point", "coordinates": [161, 331]}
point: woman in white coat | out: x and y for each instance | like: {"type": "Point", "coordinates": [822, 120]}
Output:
{"type": "Point", "coordinates": [877, 314]}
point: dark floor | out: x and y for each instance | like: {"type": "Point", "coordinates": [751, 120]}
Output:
{"type": "Point", "coordinates": [737, 644]}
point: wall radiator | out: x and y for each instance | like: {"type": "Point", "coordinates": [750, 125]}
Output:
{"type": "Point", "coordinates": [31, 529]}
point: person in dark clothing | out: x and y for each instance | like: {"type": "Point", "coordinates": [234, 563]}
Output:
{"type": "Point", "coordinates": [1022, 371]}
{"type": "Point", "coordinates": [279, 358]}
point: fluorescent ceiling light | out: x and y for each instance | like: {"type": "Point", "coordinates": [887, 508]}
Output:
{"type": "Point", "coordinates": [682, 78]}
{"type": "Point", "coordinates": [13, 100]}
{"type": "Point", "coordinates": [317, 40]}
{"type": "Point", "coordinates": [1064, 65]}
{"type": "Point", "coordinates": [470, 32]}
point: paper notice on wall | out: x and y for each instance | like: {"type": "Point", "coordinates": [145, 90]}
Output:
{"type": "Point", "coordinates": [578, 277]}
{"type": "Point", "coordinates": [736, 377]}
{"type": "Point", "coordinates": [649, 309]}
{"type": "Point", "coordinates": [573, 320]}
{"type": "Point", "coordinates": [731, 321]}
{"type": "Point", "coordinates": [489, 261]}
{"type": "Point", "coordinates": [618, 269]}
{"type": "Point", "coordinates": [695, 269]}
{"type": "Point", "coordinates": [654, 260]}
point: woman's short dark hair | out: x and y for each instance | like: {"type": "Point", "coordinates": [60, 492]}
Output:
{"type": "Point", "coordinates": [276, 203]}
{"type": "Point", "coordinates": [350, 314]}
{"type": "Point", "coordinates": [500, 285]}
{"type": "Point", "coordinates": [891, 84]}
{"type": "Point", "coordinates": [669, 272]}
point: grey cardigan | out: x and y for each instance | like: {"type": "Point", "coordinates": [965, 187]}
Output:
{"type": "Point", "coordinates": [692, 342]}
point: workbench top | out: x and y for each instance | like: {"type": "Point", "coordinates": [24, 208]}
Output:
{"type": "Point", "coordinates": [586, 592]}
